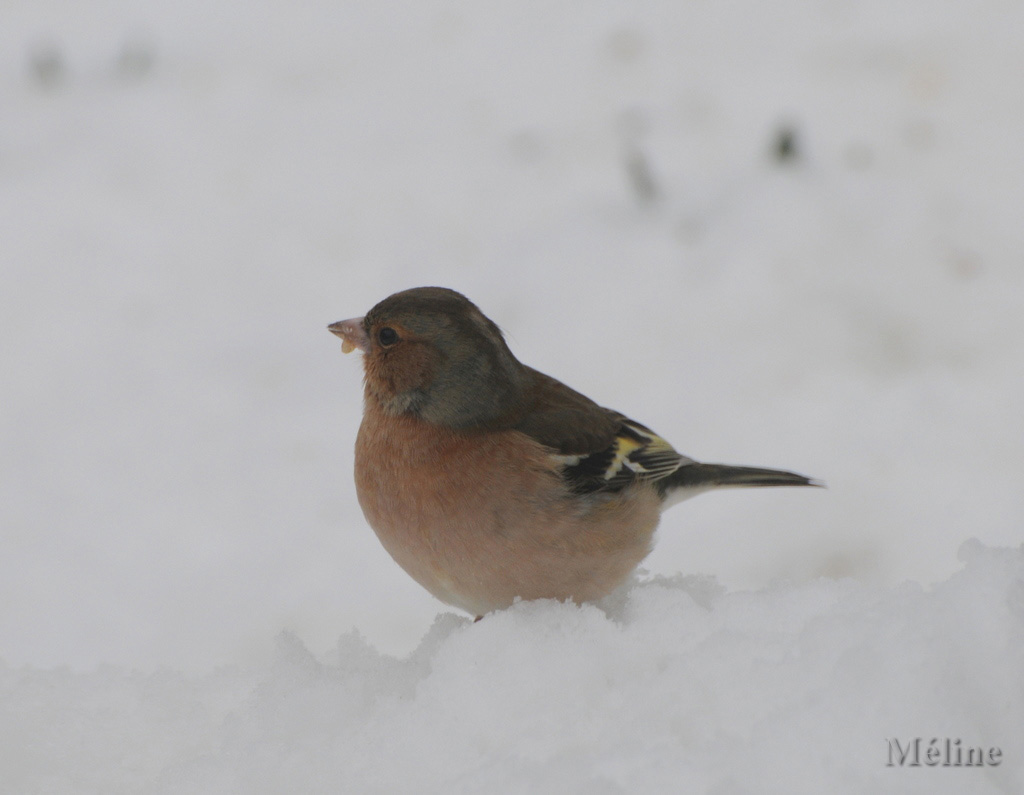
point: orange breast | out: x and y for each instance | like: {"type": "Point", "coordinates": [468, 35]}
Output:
{"type": "Point", "coordinates": [479, 519]}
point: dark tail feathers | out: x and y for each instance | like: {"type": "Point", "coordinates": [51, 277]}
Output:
{"type": "Point", "coordinates": [709, 476]}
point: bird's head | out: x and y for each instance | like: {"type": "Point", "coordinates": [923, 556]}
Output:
{"type": "Point", "coordinates": [431, 352]}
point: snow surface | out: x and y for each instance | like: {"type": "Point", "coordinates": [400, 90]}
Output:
{"type": "Point", "coordinates": [679, 687]}
{"type": "Point", "coordinates": [191, 191]}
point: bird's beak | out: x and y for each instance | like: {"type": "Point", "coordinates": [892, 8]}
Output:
{"type": "Point", "coordinates": [352, 334]}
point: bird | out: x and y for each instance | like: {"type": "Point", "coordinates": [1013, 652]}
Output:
{"type": "Point", "coordinates": [489, 482]}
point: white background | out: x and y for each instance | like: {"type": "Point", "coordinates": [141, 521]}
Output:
{"type": "Point", "coordinates": [190, 192]}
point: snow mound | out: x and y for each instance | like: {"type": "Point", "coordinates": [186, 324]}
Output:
{"type": "Point", "coordinates": [675, 684]}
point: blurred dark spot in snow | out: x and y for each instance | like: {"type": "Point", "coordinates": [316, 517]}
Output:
{"type": "Point", "coordinates": [786, 144]}
{"type": "Point", "coordinates": [631, 125]}
{"type": "Point", "coordinates": [46, 65]}
{"type": "Point", "coordinates": [641, 179]}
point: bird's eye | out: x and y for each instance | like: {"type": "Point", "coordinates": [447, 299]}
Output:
{"type": "Point", "coordinates": [387, 336]}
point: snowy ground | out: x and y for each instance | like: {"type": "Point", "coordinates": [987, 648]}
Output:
{"type": "Point", "coordinates": [190, 192]}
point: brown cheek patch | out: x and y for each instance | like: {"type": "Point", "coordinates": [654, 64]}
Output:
{"type": "Point", "coordinates": [408, 366]}
{"type": "Point", "coordinates": [412, 366]}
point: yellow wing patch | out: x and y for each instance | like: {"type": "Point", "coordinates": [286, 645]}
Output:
{"type": "Point", "coordinates": [636, 453]}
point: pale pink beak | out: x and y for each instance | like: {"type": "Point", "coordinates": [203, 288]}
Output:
{"type": "Point", "coordinates": [352, 334]}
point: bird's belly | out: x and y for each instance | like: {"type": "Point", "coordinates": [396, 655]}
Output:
{"type": "Point", "coordinates": [481, 520]}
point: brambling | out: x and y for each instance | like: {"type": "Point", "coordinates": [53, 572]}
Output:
{"type": "Point", "coordinates": [488, 481]}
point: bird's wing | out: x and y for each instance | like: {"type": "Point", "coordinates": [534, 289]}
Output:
{"type": "Point", "coordinates": [598, 449]}
{"type": "Point", "coordinates": [636, 453]}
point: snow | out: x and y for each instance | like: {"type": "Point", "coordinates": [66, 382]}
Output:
{"type": "Point", "coordinates": [190, 192]}
{"type": "Point", "coordinates": [676, 685]}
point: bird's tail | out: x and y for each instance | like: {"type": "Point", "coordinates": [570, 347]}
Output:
{"type": "Point", "coordinates": [692, 479]}
{"type": "Point", "coordinates": [698, 475]}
